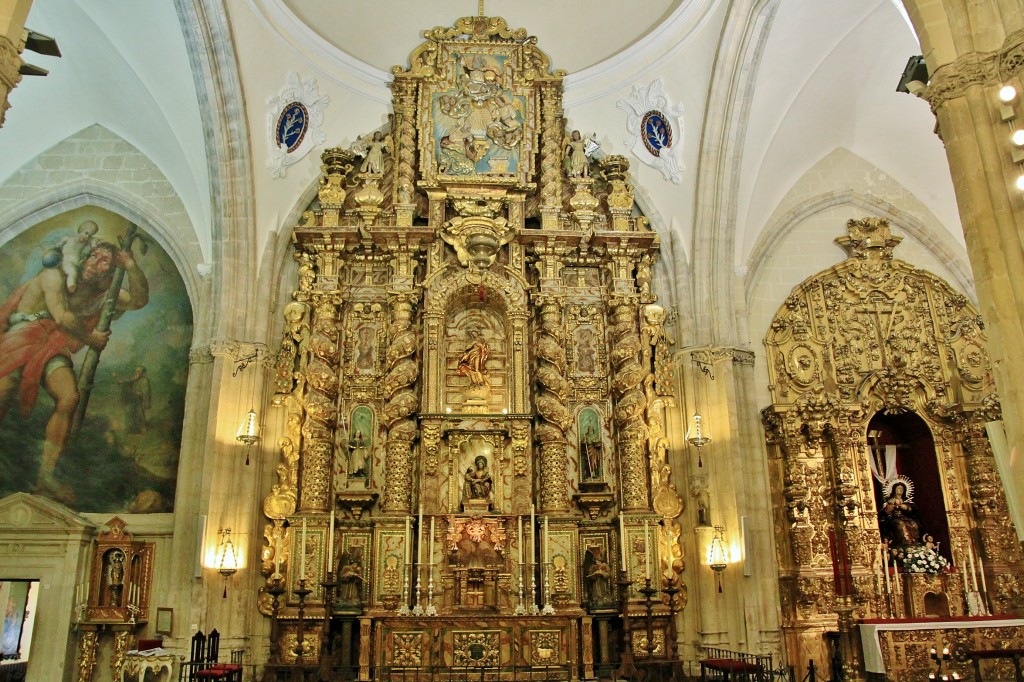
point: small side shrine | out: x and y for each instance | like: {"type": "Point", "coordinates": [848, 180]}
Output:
{"type": "Point", "coordinates": [475, 376]}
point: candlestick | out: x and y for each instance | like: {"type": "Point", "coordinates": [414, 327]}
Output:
{"type": "Point", "coordinates": [408, 541]}
{"type": "Point", "coordinates": [547, 542]}
{"type": "Point", "coordinates": [330, 544]}
{"type": "Point", "coordinates": [520, 542]}
{"type": "Point", "coordinates": [622, 542]}
{"type": "Point", "coordinates": [302, 552]}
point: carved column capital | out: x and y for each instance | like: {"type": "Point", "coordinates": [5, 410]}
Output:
{"type": "Point", "coordinates": [954, 79]}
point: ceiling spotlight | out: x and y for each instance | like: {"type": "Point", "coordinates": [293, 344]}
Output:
{"type": "Point", "coordinates": [915, 76]}
{"type": "Point", "coordinates": [1007, 93]}
{"type": "Point", "coordinates": [1020, 183]}
{"type": "Point", "coordinates": [1018, 138]}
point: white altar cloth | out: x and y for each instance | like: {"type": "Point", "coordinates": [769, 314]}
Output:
{"type": "Point", "coordinates": [872, 647]}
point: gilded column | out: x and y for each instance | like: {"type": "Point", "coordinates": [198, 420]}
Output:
{"type": "Point", "coordinates": [997, 542]}
{"type": "Point", "coordinates": [404, 89]}
{"type": "Point", "coordinates": [399, 383]}
{"type": "Point", "coordinates": [12, 24]}
{"type": "Point", "coordinates": [321, 377]}
{"type": "Point", "coordinates": [87, 643]}
{"type": "Point", "coordinates": [551, 406]}
{"type": "Point", "coordinates": [630, 403]}
{"type": "Point", "coordinates": [551, 153]}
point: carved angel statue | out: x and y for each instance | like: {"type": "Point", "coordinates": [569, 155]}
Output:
{"type": "Point", "coordinates": [577, 148]}
{"type": "Point", "coordinates": [372, 148]}
{"type": "Point", "coordinates": [473, 363]}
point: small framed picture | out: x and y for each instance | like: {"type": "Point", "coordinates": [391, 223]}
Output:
{"type": "Point", "coordinates": [164, 621]}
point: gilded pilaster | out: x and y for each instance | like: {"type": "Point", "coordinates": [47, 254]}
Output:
{"type": "Point", "coordinates": [88, 641]}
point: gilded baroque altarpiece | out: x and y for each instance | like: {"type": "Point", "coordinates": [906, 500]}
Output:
{"type": "Point", "coordinates": [473, 351]}
{"type": "Point", "coordinates": [874, 335]}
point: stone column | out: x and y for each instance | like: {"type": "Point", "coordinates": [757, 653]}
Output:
{"type": "Point", "coordinates": [972, 51]}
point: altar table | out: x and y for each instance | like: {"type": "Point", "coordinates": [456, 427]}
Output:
{"type": "Point", "coordinates": [157, 660]}
{"type": "Point", "coordinates": [870, 629]}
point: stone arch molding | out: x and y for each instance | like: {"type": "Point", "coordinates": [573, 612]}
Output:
{"type": "Point", "coordinates": [770, 238]}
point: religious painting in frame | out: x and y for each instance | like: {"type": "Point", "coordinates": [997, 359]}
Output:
{"type": "Point", "coordinates": [115, 448]}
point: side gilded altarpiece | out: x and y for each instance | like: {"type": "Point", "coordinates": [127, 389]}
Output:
{"type": "Point", "coordinates": [878, 452]}
{"type": "Point", "coordinates": [472, 369]}
{"type": "Point", "coordinates": [116, 599]}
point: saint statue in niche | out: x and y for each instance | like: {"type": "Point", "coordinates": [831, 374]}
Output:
{"type": "Point", "coordinates": [900, 525]}
{"type": "Point", "coordinates": [473, 363]}
{"type": "Point", "coordinates": [478, 483]}
{"type": "Point", "coordinates": [358, 447]}
{"type": "Point", "coordinates": [598, 574]}
{"type": "Point", "coordinates": [115, 576]}
{"type": "Point", "coordinates": [590, 446]}
{"type": "Point", "coordinates": [350, 577]}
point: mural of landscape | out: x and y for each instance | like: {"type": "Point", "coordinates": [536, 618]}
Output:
{"type": "Point", "coordinates": [121, 453]}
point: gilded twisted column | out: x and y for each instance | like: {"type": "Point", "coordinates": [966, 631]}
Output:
{"type": "Point", "coordinates": [551, 153]}
{"type": "Point", "coordinates": [399, 383]}
{"type": "Point", "coordinates": [321, 375]}
{"type": "Point", "coordinates": [404, 89]}
{"type": "Point", "coordinates": [551, 406]}
{"type": "Point", "coordinates": [630, 402]}
{"type": "Point", "coordinates": [998, 542]}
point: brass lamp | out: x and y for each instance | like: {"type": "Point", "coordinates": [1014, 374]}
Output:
{"type": "Point", "coordinates": [717, 558]}
{"type": "Point", "coordinates": [698, 436]}
{"type": "Point", "coordinates": [227, 562]}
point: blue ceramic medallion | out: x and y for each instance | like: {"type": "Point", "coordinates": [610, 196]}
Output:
{"type": "Point", "coordinates": [656, 132]}
{"type": "Point", "coordinates": [292, 125]}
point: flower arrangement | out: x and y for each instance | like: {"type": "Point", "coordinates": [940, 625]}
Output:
{"type": "Point", "coordinates": [921, 559]}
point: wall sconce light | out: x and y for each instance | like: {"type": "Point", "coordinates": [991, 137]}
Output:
{"type": "Point", "coordinates": [227, 558]}
{"type": "Point", "coordinates": [717, 558]}
{"type": "Point", "coordinates": [698, 436]}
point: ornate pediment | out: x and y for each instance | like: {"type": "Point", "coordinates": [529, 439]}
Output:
{"type": "Point", "coordinates": [22, 512]}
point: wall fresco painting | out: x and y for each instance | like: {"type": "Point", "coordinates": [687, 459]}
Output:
{"type": "Point", "coordinates": [92, 396]}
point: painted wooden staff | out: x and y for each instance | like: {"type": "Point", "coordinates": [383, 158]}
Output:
{"type": "Point", "coordinates": [92, 356]}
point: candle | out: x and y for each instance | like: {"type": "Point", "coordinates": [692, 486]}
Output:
{"type": "Point", "coordinates": [547, 543]}
{"type": "Point", "coordinates": [963, 570]}
{"type": "Point", "coordinates": [974, 576]}
{"type": "Point", "coordinates": [647, 551]}
{"type": "Point", "coordinates": [885, 569]}
{"type": "Point", "coordinates": [899, 580]}
{"type": "Point", "coordinates": [277, 554]}
{"type": "Point", "coordinates": [408, 541]}
{"type": "Point", "coordinates": [430, 557]}
{"type": "Point", "coordinates": [622, 542]}
{"type": "Point", "coordinates": [520, 540]}
{"type": "Point", "coordinates": [532, 529]}
{"type": "Point", "coordinates": [330, 544]}
{"type": "Point", "coordinates": [78, 598]}
{"type": "Point", "coordinates": [419, 545]}
{"type": "Point", "coordinates": [981, 571]}
{"type": "Point", "coordinates": [302, 553]}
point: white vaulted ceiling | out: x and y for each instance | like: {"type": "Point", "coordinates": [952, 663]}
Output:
{"type": "Point", "coordinates": [825, 81]}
